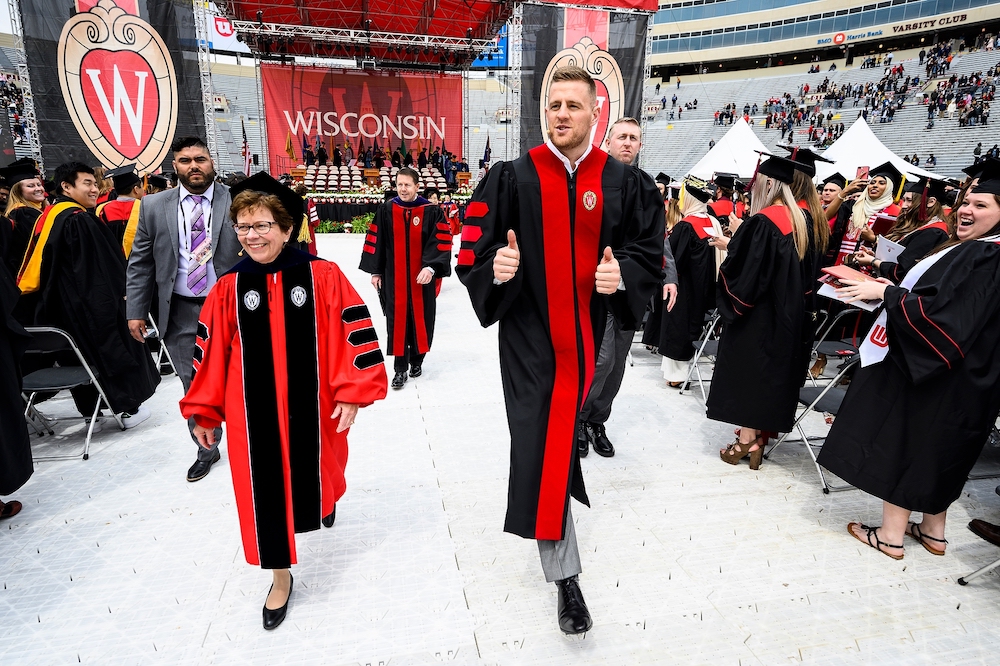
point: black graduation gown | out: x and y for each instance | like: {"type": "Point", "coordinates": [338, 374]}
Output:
{"type": "Point", "coordinates": [695, 261]}
{"type": "Point", "coordinates": [918, 244]}
{"type": "Point", "coordinates": [811, 267]}
{"type": "Point", "coordinates": [15, 449]}
{"type": "Point", "coordinates": [22, 221]}
{"type": "Point", "coordinates": [404, 238]}
{"type": "Point", "coordinates": [551, 317]}
{"type": "Point", "coordinates": [759, 295]}
{"type": "Point", "coordinates": [911, 427]}
{"type": "Point", "coordinates": [82, 291]}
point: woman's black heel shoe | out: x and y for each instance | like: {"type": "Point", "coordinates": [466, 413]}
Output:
{"type": "Point", "coordinates": [272, 618]}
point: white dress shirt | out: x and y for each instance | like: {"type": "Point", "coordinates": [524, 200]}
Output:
{"type": "Point", "coordinates": [186, 215]}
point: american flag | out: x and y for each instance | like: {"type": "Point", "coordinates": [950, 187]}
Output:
{"type": "Point", "coordinates": [246, 149]}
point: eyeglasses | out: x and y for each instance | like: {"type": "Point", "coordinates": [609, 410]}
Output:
{"type": "Point", "coordinates": [262, 228]}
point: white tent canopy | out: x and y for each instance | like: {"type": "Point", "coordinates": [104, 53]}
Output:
{"type": "Point", "coordinates": [734, 153]}
{"type": "Point", "coordinates": [859, 147]}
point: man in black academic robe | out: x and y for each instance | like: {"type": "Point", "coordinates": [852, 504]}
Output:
{"type": "Point", "coordinates": [73, 278]}
{"type": "Point", "coordinates": [549, 268]}
{"type": "Point", "coordinates": [407, 249]}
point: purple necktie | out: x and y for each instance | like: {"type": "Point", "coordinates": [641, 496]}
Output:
{"type": "Point", "coordinates": [197, 280]}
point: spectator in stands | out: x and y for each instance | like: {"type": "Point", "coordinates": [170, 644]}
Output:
{"type": "Point", "coordinates": [931, 161]}
{"type": "Point", "coordinates": [673, 101]}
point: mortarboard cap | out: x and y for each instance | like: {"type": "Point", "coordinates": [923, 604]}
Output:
{"type": "Point", "coordinates": [51, 187]}
{"type": "Point", "coordinates": [887, 170]}
{"type": "Point", "coordinates": [23, 169]}
{"type": "Point", "coordinates": [702, 194]}
{"type": "Point", "coordinates": [159, 182]}
{"type": "Point", "coordinates": [989, 178]}
{"type": "Point", "coordinates": [663, 178]}
{"type": "Point", "coordinates": [837, 179]}
{"type": "Point", "coordinates": [974, 170]}
{"type": "Point", "coordinates": [935, 187]}
{"type": "Point", "coordinates": [779, 168]}
{"type": "Point", "coordinates": [726, 180]}
{"type": "Point", "coordinates": [124, 177]}
{"type": "Point", "coordinates": [263, 182]}
{"type": "Point", "coordinates": [805, 159]}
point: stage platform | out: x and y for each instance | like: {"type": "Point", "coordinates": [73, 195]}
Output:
{"type": "Point", "coordinates": [687, 560]}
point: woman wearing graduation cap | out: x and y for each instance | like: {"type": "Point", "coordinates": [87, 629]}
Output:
{"type": "Point", "coordinates": [759, 295]}
{"type": "Point", "coordinates": [286, 354]}
{"type": "Point", "coordinates": [697, 266]}
{"type": "Point", "coordinates": [919, 228]}
{"type": "Point", "coordinates": [854, 224]}
{"type": "Point", "coordinates": [921, 407]}
{"type": "Point", "coordinates": [24, 205]}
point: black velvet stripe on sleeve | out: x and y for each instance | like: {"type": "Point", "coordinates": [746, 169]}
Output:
{"type": "Point", "coordinates": [362, 336]}
{"type": "Point", "coordinates": [303, 396]}
{"type": "Point", "coordinates": [355, 313]}
{"type": "Point", "coordinates": [263, 436]}
{"type": "Point", "coordinates": [368, 359]}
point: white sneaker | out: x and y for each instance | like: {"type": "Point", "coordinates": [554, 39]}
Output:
{"type": "Point", "coordinates": [132, 420]}
{"type": "Point", "coordinates": [97, 425]}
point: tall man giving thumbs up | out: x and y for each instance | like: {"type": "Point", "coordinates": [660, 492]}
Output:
{"type": "Point", "coordinates": [552, 242]}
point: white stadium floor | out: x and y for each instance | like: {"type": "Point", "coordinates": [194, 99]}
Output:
{"type": "Point", "coordinates": [118, 560]}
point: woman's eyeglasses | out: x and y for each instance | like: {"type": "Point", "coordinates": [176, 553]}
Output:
{"type": "Point", "coordinates": [260, 227]}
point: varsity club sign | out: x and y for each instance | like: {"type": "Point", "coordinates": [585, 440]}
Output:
{"type": "Point", "coordinates": [119, 86]}
{"type": "Point", "coordinates": [125, 86]}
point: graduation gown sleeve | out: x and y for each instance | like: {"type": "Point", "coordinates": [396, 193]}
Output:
{"type": "Point", "coordinates": [918, 245]}
{"type": "Point", "coordinates": [437, 242]}
{"type": "Point", "coordinates": [934, 325]}
{"type": "Point", "coordinates": [492, 211]}
{"type": "Point", "coordinates": [749, 270]}
{"type": "Point", "coordinates": [374, 252]}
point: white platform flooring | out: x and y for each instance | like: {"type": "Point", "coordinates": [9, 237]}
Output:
{"type": "Point", "coordinates": [118, 560]}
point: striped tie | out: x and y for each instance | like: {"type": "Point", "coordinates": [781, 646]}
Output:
{"type": "Point", "coordinates": [197, 280]}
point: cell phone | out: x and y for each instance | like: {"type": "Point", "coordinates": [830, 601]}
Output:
{"type": "Point", "coordinates": [862, 173]}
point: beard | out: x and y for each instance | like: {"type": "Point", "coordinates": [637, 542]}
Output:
{"type": "Point", "coordinates": [208, 175]}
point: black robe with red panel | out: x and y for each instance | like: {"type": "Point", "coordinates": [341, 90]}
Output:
{"type": "Point", "coordinates": [911, 427]}
{"type": "Point", "coordinates": [695, 261]}
{"type": "Point", "coordinates": [278, 346]}
{"type": "Point", "coordinates": [918, 244]}
{"type": "Point", "coordinates": [551, 316]}
{"type": "Point", "coordinates": [403, 239]}
{"type": "Point", "coordinates": [760, 297]}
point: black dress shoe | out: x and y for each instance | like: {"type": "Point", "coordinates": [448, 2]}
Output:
{"type": "Point", "coordinates": [574, 618]}
{"type": "Point", "coordinates": [201, 468]}
{"type": "Point", "coordinates": [416, 371]}
{"type": "Point", "coordinates": [398, 380]}
{"type": "Point", "coordinates": [328, 520]}
{"type": "Point", "coordinates": [272, 618]}
{"type": "Point", "coordinates": [985, 530]}
{"type": "Point", "coordinates": [582, 439]}
{"type": "Point", "coordinates": [599, 438]}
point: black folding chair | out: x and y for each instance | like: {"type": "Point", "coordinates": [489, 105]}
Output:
{"type": "Point", "coordinates": [706, 347]}
{"type": "Point", "coordinates": [153, 335]}
{"type": "Point", "coordinates": [47, 340]}
{"type": "Point", "coordinates": [823, 399]}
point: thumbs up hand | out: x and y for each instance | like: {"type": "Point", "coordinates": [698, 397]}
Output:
{"type": "Point", "coordinates": [609, 273]}
{"type": "Point", "coordinates": [507, 259]}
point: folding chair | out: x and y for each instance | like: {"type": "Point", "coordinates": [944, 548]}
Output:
{"type": "Point", "coordinates": [48, 340]}
{"type": "Point", "coordinates": [153, 334]}
{"type": "Point", "coordinates": [707, 346]}
{"type": "Point", "coordinates": [834, 348]}
{"type": "Point", "coordinates": [819, 399]}
{"type": "Point", "coordinates": [965, 580]}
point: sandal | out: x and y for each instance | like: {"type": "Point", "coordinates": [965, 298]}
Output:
{"type": "Point", "coordinates": [674, 384]}
{"type": "Point", "coordinates": [871, 532]}
{"type": "Point", "coordinates": [9, 509]}
{"type": "Point", "coordinates": [736, 452]}
{"type": "Point", "coordinates": [913, 530]}
{"type": "Point", "coordinates": [816, 371]}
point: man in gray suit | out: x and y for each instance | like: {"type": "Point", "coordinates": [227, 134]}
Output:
{"type": "Point", "coordinates": [184, 240]}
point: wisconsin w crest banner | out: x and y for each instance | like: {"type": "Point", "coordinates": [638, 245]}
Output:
{"type": "Point", "coordinates": [610, 45]}
{"type": "Point", "coordinates": [112, 80]}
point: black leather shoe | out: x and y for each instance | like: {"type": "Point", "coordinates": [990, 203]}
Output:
{"type": "Point", "coordinates": [582, 439]}
{"type": "Point", "coordinates": [574, 618]}
{"type": "Point", "coordinates": [599, 438]}
{"type": "Point", "coordinates": [200, 469]}
{"type": "Point", "coordinates": [398, 380]}
{"type": "Point", "coordinates": [329, 520]}
{"type": "Point", "coordinates": [272, 618]}
{"type": "Point", "coordinates": [986, 531]}
{"type": "Point", "coordinates": [416, 371]}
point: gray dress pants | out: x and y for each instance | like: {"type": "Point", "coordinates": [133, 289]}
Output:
{"type": "Point", "coordinates": [608, 373]}
{"type": "Point", "coordinates": [560, 559]}
{"type": "Point", "coordinates": [179, 339]}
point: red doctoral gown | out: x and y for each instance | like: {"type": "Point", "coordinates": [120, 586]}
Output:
{"type": "Point", "coordinates": [279, 345]}
{"type": "Point", "coordinates": [551, 316]}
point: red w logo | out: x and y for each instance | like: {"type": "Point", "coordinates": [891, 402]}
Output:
{"type": "Point", "coordinates": [879, 337]}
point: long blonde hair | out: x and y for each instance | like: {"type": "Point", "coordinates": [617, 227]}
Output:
{"type": "Point", "coordinates": [769, 192]}
{"type": "Point", "coordinates": [16, 199]}
{"type": "Point", "coordinates": [673, 213]}
{"type": "Point", "coordinates": [804, 190]}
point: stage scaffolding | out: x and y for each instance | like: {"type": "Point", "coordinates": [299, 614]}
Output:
{"type": "Point", "coordinates": [31, 122]}
{"type": "Point", "coordinates": [202, 27]}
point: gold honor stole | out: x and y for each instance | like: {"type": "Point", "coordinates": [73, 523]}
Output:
{"type": "Point", "coordinates": [30, 275]}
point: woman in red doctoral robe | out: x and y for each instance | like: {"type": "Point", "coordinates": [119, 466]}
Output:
{"type": "Point", "coordinates": [285, 355]}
